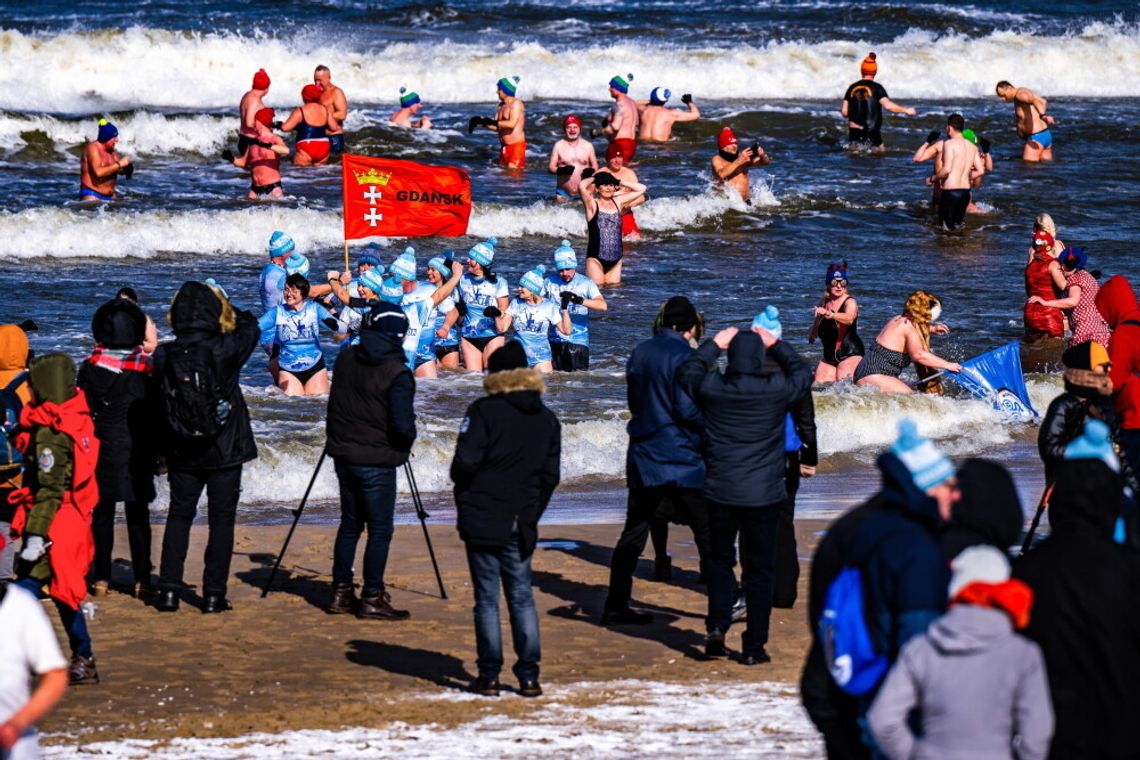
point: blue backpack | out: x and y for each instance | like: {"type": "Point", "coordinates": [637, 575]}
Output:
{"type": "Point", "coordinates": [10, 407]}
{"type": "Point", "coordinates": [848, 644]}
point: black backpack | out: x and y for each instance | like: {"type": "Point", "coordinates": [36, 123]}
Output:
{"type": "Point", "coordinates": [197, 406]}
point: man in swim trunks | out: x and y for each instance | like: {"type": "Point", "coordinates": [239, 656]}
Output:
{"type": "Point", "coordinates": [312, 122]}
{"type": "Point", "coordinates": [409, 106]}
{"type": "Point", "coordinates": [622, 122]}
{"type": "Point", "coordinates": [931, 148]}
{"type": "Point", "coordinates": [100, 165]}
{"type": "Point", "coordinates": [250, 104]}
{"type": "Point", "coordinates": [509, 124]}
{"type": "Point", "coordinates": [731, 164]}
{"type": "Point", "coordinates": [1032, 121]}
{"type": "Point", "coordinates": [263, 158]}
{"type": "Point", "coordinates": [615, 165]}
{"type": "Point", "coordinates": [657, 120]}
{"type": "Point", "coordinates": [961, 163]}
{"type": "Point", "coordinates": [332, 98]}
{"type": "Point", "coordinates": [569, 157]}
{"type": "Point", "coordinates": [863, 105]}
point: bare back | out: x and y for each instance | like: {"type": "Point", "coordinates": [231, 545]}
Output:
{"type": "Point", "coordinates": [250, 104]}
{"type": "Point", "coordinates": [334, 100]}
{"type": "Point", "coordinates": [623, 117]}
{"type": "Point", "coordinates": [959, 157]}
{"type": "Point", "coordinates": [1030, 120]}
{"type": "Point", "coordinates": [656, 124]}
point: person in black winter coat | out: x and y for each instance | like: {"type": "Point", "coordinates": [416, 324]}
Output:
{"type": "Point", "coordinates": [207, 324]}
{"type": "Point", "coordinates": [1088, 394]}
{"type": "Point", "coordinates": [505, 470]}
{"type": "Point", "coordinates": [744, 412]}
{"type": "Point", "coordinates": [801, 457]}
{"type": "Point", "coordinates": [1085, 615]}
{"type": "Point", "coordinates": [119, 382]}
{"type": "Point", "coordinates": [371, 429]}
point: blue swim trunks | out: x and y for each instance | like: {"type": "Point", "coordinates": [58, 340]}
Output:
{"type": "Point", "coordinates": [1044, 138]}
{"type": "Point", "coordinates": [86, 193]}
{"type": "Point", "coordinates": [560, 193]}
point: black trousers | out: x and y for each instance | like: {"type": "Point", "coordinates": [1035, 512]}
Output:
{"type": "Point", "coordinates": [756, 527]}
{"type": "Point", "coordinates": [138, 537]}
{"type": "Point", "coordinates": [645, 507]}
{"type": "Point", "coordinates": [784, 588]}
{"type": "Point", "coordinates": [222, 489]}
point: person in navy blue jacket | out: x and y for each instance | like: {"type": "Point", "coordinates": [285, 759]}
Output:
{"type": "Point", "coordinates": [664, 470]}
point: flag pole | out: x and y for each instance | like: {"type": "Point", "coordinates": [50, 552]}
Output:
{"type": "Point", "coordinates": [346, 267]}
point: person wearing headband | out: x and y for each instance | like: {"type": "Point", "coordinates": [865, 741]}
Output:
{"type": "Point", "coordinates": [101, 165]}
{"type": "Point", "coordinates": [251, 102]}
{"type": "Point", "coordinates": [332, 98]}
{"type": "Point", "coordinates": [410, 106]}
{"type": "Point", "coordinates": [570, 157]}
{"type": "Point", "coordinates": [863, 106]}
{"type": "Point", "coordinates": [657, 121]}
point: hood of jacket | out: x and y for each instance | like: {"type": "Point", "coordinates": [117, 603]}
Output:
{"type": "Point", "coordinates": [196, 309]}
{"type": "Point", "coordinates": [1087, 494]}
{"type": "Point", "coordinates": [522, 388]}
{"type": "Point", "coordinates": [376, 347]}
{"type": "Point", "coordinates": [52, 378]}
{"type": "Point", "coordinates": [900, 492]}
{"type": "Point", "coordinates": [965, 629]}
{"type": "Point", "coordinates": [13, 348]}
{"type": "Point", "coordinates": [1116, 301]}
{"type": "Point", "coordinates": [746, 355]}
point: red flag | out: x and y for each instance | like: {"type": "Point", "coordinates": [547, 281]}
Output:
{"type": "Point", "coordinates": [383, 196]}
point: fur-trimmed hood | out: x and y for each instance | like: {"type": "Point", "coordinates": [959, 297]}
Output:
{"type": "Point", "coordinates": [511, 380]}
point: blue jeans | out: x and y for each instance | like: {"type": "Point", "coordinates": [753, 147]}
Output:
{"type": "Point", "coordinates": [367, 502]}
{"type": "Point", "coordinates": [73, 621]}
{"type": "Point", "coordinates": [488, 566]}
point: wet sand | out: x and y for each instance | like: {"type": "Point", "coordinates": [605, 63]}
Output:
{"type": "Point", "coordinates": [281, 663]}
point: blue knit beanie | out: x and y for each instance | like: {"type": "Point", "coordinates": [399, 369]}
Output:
{"type": "Point", "coordinates": [107, 131]}
{"type": "Point", "coordinates": [564, 257]}
{"type": "Point", "coordinates": [659, 96]}
{"type": "Point", "coordinates": [439, 264]}
{"type": "Point", "coordinates": [370, 255]}
{"type": "Point", "coordinates": [280, 244]}
{"type": "Point", "coordinates": [509, 85]}
{"type": "Point", "coordinates": [928, 466]}
{"type": "Point", "coordinates": [483, 253]}
{"type": "Point", "coordinates": [533, 280]}
{"type": "Point", "coordinates": [391, 290]}
{"type": "Point", "coordinates": [1094, 442]}
{"type": "Point", "coordinates": [404, 267]}
{"type": "Point", "coordinates": [620, 83]}
{"type": "Point", "coordinates": [373, 279]}
{"type": "Point", "coordinates": [769, 319]}
{"type": "Point", "coordinates": [297, 263]}
{"type": "Point", "coordinates": [408, 99]}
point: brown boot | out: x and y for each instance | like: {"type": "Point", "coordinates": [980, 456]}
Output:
{"type": "Point", "coordinates": [343, 601]}
{"type": "Point", "coordinates": [378, 606]}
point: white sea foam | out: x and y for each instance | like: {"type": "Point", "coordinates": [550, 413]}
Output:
{"type": "Point", "coordinates": [87, 72]}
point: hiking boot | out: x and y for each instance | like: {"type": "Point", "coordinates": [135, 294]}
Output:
{"type": "Point", "coordinates": [100, 588]}
{"type": "Point", "coordinates": [663, 569]}
{"type": "Point", "coordinates": [626, 616]}
{"type": "Point", "coordinates": [714, 645]}
{"type": "Point", "coordinates": [756, 658]}
{"type": "Point", "coordinates": [378, 606]}
{"type": "Point", "coordinates": [530, 689]}
{"type": "Point", "coordinates": [82, 671]}
{"type": "Point", "coordinates": [343, 601]}
{"type": "Point", "coordinates": [486, 686]}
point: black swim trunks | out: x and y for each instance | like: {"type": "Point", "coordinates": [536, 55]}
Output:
{"type": "Point", "coordinates": [305, 375]}
{"type": "Point", "coordinates": [442, 351]}
{"type": "Point", "coordinates": [264, 189]}
{"type": "Point", "coordinates": [569, 357]}
{"type": "Point", "coordinates": [481, 343]}
{"type": "Point", "coordinates": [952, 205]}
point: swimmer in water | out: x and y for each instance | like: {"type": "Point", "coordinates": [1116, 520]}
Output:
{"type": "Point", "coordinates": [622, 122]}
{"type": "Point", "coordinates": [570, 353]}
{"type": "Point", "coordinates": [731, 163]}
{"type": "Point", "coordinates": [333, 99]}
{"type": "Point", "coordinates": [263, 158]}
{"type": "Point", "coordinates": [931, 149]}
{"type": "Point", "coordinates": [101, 165]}
{"type": "Point", "coordinates": [533, 317]}
{"type": "Point", "coordinates": [657, 121]}
{"type": "Point", "coordinates": [905, 338]}
{"type": "Point", "coordinates": [616, 165]}
{"type": "Point", "coordinates": [485, 296]}
{"type": "Point", "coordinates": [863, 106]}
{"type": "Point", "coordinates": [410, 106]}
{"type": "Point", "coordinates": [569, 158]}
{"type": "Point", "coordinates": [604, 224]}
{"type": "Point", "coordinates": [1032, 121]}
{"type": "Point", "coordinates": [509, 124]}
{"type": "Point", "coordinates": [312, 122]}
{"type": "Point", "coordinates": [251, 102]}
{"type": "Point", "coordinates": [837, 327]}
{"type": "Point", "coordinates": [421, 301]}
{"type": "Point", "coordinates": [295, 326]}
{"type": "Point", "coordinates": [961, 164]}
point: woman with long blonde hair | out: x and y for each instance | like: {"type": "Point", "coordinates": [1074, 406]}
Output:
{"type": "Point", "coordinates": [905, 338]}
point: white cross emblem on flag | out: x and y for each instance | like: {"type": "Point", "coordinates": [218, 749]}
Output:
{"type": "Point", "coordinates": [373, 195]}
{"type": "Point", "coordinates": [372, 217]}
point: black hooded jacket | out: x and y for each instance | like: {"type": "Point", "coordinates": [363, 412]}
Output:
{"type": "Point", "coordinates": [371, 415]}
{"type": "Point", "coordinates": [195, 316]}
{"type": "Point", "coordinates": [506, 463]}
{"type": "Point", "coordinates": [744, 412]}
{"type": "Point", "coordinates": [1086, 617]}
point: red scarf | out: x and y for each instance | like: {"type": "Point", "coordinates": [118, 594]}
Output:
{"type": "Point", "coordinates": [1012, 597]}
{"type": "Point", "coordinates": [135, 360]}
{"type": "Point", "coordinates": [72, 546]}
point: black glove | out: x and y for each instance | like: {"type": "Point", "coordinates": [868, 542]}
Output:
{"type": "Point", "coordinates": [278, 124]}
{"type": "Point", "coordinates": [984, 144]}
{"type": "Point", "coordinates": [587, 173]}
{"type": "Point", "coordinates": [228, 156]}
{"type": "Point", "coordinates": [933, 136]}
{"type": "Point", "coordinates": [28, 325]}
{"type": "Point", "coordinates": [492, 311]}
{"type": "Point", "coordinates": [128, 171]}
{"type": "Point", "coordinates": [569, 295]}
{"type": "Point", "coordinates": [479, 121]}
{"type": "Point", "coordinates": [686, 98]}
{"type": "Point", "coordinates": [331, 323]}
{"type": "Point", "coordinates": [595, 132]}
{"type": "Point", "coordinates": [564, 171]}
{"type": "Point", "coordinates": [267, 146]}
{"type": "Point", "coordinates": [566, 296]}
{"type": "Point", "coordinates": [461, 307]}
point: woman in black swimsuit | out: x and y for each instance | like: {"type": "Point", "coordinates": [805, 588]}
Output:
{"type": "Point", "coordinates": [836, 325]}
{"type": "Point", "coordinates": [905, 338]}
{"type": "Point", "coordinates": [603, 222]}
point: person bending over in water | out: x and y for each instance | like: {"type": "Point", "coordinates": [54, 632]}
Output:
{"type": "Point", "coordinates": [836, 325]}
{"type": "Point", "coordinates": [263, 158]}
{"type": "Point", "coordinates": [569, 158]}
{"type": "Point", "coordinates": [101, 165]}
{"type": "Point", "coordinates": [961, 164]}
{"type": "Point", "coordinates": [657, 121]}
{"type": "Point", "coordinates": [730, 165]}
{"type": "Point", "coordinates": [312, 121]}
{"type": "Point", "coordinates": [603, 224]}
{"type": "Point", "coordinates": [905, 338]}
{"type": "Point", "coordinates": [1032, 121]}
{"type": "Point", "coordinates": [410, 106]}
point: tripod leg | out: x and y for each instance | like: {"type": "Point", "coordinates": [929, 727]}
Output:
{"type": "Point", "coordinates": [422, 514]}
{"type": "Point", "coordinates": [296, 519]}
{"type": "Point", "coordinates": [1037, 518]}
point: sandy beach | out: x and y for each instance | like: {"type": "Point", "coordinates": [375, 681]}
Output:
{"type": "Point", "coordinates": [279, 677]}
